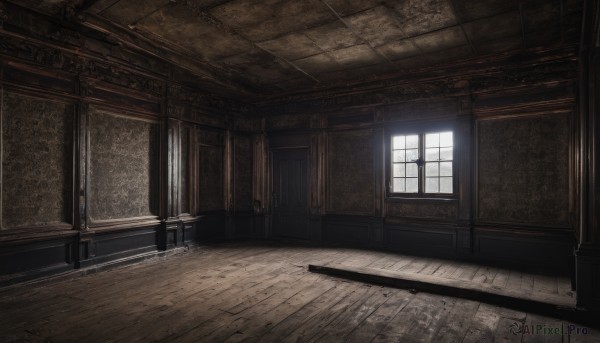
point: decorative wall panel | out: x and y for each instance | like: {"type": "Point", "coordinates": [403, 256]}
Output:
{"type": "Point", "coordinates": [184, 179]}
{"type": "Point", "coordinates": [212, 178]}
{"type": "Point", "coordinates": [123, 168]}
{"type": "Point", "coordinates": [350, 180]}
{"type": "Point", "coordinates": [243, 172]}
{"type": "Point", "coordinates": [420, 209]}
{"type": "Point", "coordinates": [211, 170]}
{"type": "Point", "coordinates": [37, 161]}
{"type": "Point", "coordinates": [523, 170]}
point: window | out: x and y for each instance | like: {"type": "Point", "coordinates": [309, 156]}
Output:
{"type": "Point", "coordinates": [422, 163]}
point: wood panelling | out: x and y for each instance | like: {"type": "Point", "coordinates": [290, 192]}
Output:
{"type": "Point", "coordinates": [123, 167]}
{"type": "Point", "coordinates": [185, 180]}
{"type": "Point", "coordinates": [37, 161]}
{"type": "Point", "coordinates": [423, 110]}
{"type": "Point", "coordinates": [211, 177]}
{"type": "Point", "coordinates": [350, 172]}
{"type": "Point", "coordinates": [527, 248]}
{"type": "Point", "coordinates": [438, 209]}
{"type": "Point", "coordinates": [283, 122]}
{"type": "Point", "coordinates": [211, 188]}
{"type": "Point", "coordinates": [523, 168]}
{"type": "Point", "coordinates": [242, 183]}
{"type": "Point", "coordinates": [117, 245]}
{"type": "Point", "coordinates": [421, 240]}
{"type": "Point", "coordinates": [29, 260]}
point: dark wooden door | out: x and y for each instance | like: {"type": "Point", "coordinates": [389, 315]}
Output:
{"type": "Point", "coordinates": [290, 193]}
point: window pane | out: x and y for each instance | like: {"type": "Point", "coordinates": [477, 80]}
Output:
{"type": "Point", "coordinates": [412, 155]}
{"type": "Point", "coordinates": [398, 142]}
{"type": "Point", "coordinates": [446, 154]}
{"type": "Point", "coordinates": [412, 142]}
{"type": "Point", "coordinates": [432, 140]}
{"type": "Point", "coordinates": [445, 185]}
{"type": "Point", "coordinates": [446, 169]}
{"type": "Point", "coordinates": [398, 170]}
{"type": "Point", "coordinates": [398, 185]}
{"type": "Point", "coordinates": [412, 185]}
{"type": "Point", "coordinates": [432, 185]}
{"type": "Point", "coordinates": [398, 156]}
{"type": "Point", "coordinates": [412, 170]}
{"type": "Point", "coordinates": [432, 154]}
{"type": "Point", "coordinates": [432, 169]}
{"type": "Point", "coordinates": [446, 139]}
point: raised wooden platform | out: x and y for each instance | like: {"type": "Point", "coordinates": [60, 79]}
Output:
{"type": "Point", "coordinates": [255, 292]}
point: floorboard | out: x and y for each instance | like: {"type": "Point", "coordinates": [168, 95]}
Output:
{"type": "Point", "coordinates": [263, 292]}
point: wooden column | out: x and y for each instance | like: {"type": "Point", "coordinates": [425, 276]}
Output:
{"type": "Point", "coordinates": [171, 226]}
{"type": "Point", "coordinates": [588, 251]}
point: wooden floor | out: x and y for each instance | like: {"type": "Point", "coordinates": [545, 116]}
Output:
{"type": "Point", "coordinates": [250, 292]}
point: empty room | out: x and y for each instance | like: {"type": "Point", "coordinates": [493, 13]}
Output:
{"type": "Point", "coordinates": [299, 171]}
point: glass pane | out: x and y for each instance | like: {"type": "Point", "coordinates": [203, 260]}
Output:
{"type": "Point", "coordinates": [398, 142]}
{"type": "Point", "coordinates": [412, 185]}
{"type": "Point", "coordinates": [432, 185]}
{"type": "Point", "coordinates": [398, 170]}
{"type": "Point", "coordinates": [446, 169]}
{"type": "Point", "coordinates": [412, 142]}
{"type": "Point", "coordinates": [445, 185]}
{"type": "Point", "coordinates": [432, 140]}
{"type": "Point", "coordinates": [446, 139]}
{"type": "Point", "coordinates": [412, 155]}
{"type": "Point", "coordinates": [398, 185]}
{"type": "Point", "coordinates": [412, 170]}
{"type": "Point", "coordinates": [432, 154]}
{"type": "Point", "coordinates": [398, 156]}
{"type": "Point", "coordinates": [432, 169]}
{"type": "Point", "coordinates": [446, 154]}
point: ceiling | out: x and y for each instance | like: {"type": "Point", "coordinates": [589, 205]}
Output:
{"type": "Point", "coordinates": [281, 46]}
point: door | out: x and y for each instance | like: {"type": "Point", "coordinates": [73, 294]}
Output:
{"type": "Point", "coordinates": [290, 193]}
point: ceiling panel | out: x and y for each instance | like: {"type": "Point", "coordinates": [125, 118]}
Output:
{"type": "Point", "coordinates": [357, 55]}
{"type": "Point", "coordinates": [422, 16]}
{"type": "Point", "coordinates": [176, 23]}
{"type": "Point", "coordinates": [347, 7]}
{"type": "Point", "coordinates": [289, 16]}
{"type": "Point", "coordinates": [399, 49]}
{"type": "Point", "coordinates": [244, 13]}
{"type": "Point", "coordinates": [377, 25]}
{"type": "Point", "coordinates": [333, 36]}
{"type": "Point", "coordinates": [441, 40]}
{"type": "Point", "coordinates": [317, 64]}
{"type": "Point", "coordinates": [291, 47]}
{"type": "Point", "coordinates": [128, 13]}
{"type": "Point", "coordinates": [329, 39]}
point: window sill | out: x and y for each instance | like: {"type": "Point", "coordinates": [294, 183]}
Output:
{"type": "Point", "coordinates": [421, 198]}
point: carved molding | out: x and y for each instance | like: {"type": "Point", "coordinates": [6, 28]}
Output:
{"type": "Point", "coordinates": [499, 77]}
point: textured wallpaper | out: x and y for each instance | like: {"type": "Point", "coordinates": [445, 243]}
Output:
{"type": "Point", "coordinates": [37, 162]}
{"type": "Point", "coordinates": [124, 167]}
{"type": "Point", "coordinates": [523, 170]}
{"type": "Point", "coordinates": [350, 171]}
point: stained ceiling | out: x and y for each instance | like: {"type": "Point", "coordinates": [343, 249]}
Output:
{"type": "Point", "coordinates": [282, 46]}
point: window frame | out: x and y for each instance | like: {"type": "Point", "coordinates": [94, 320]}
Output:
{"type": "Point", "coordinates": [421, 131]}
